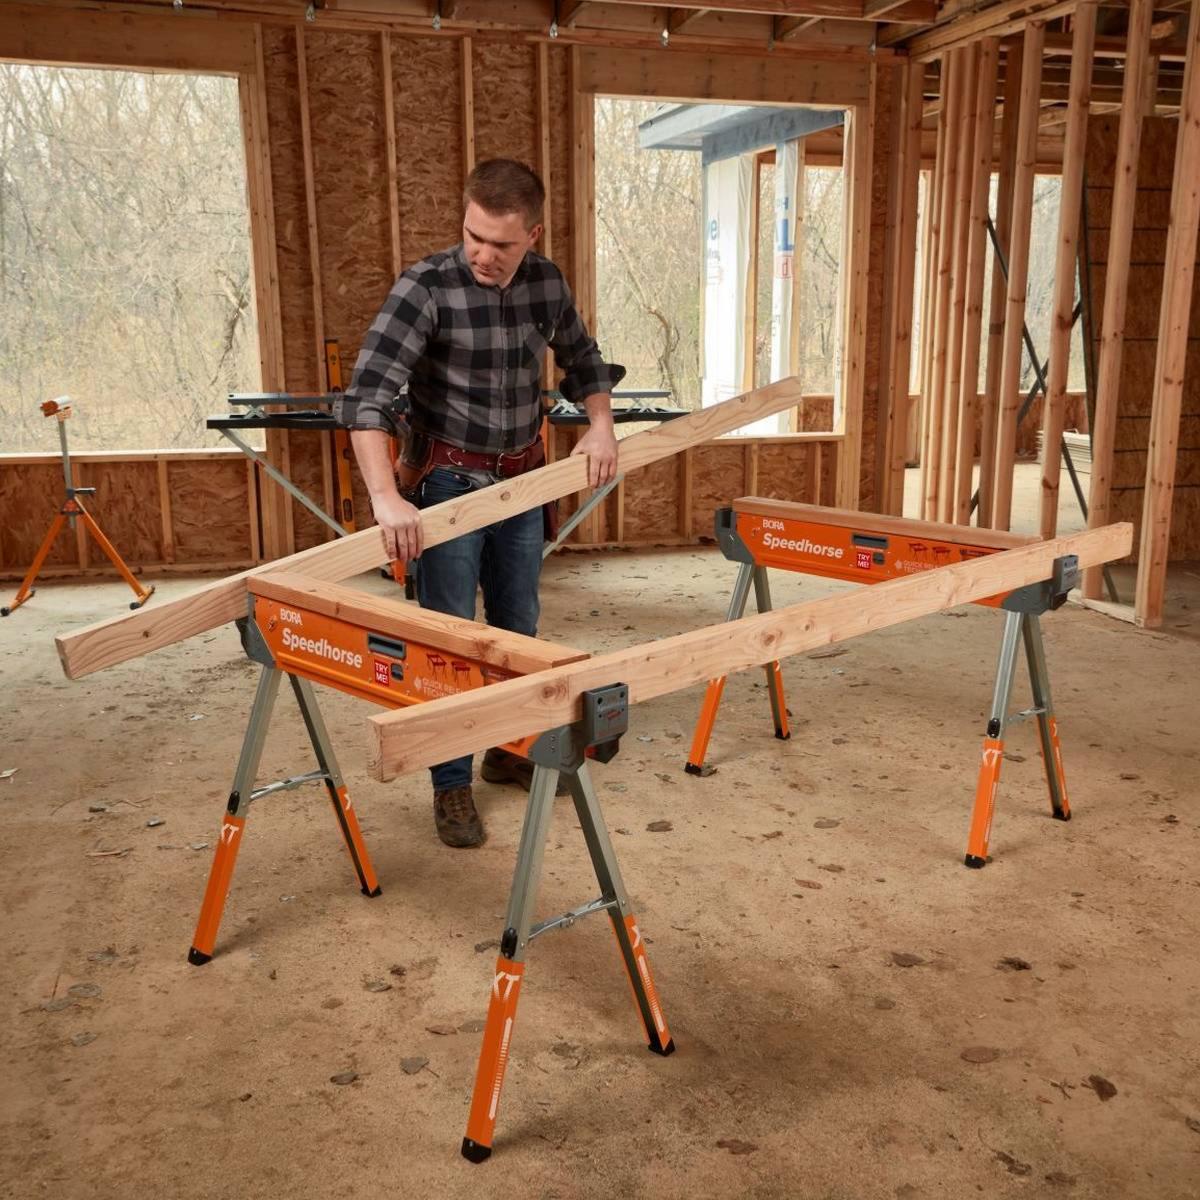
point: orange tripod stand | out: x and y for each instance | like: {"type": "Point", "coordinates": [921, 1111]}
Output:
{"type": "Point", "coordinates": [71, 509]}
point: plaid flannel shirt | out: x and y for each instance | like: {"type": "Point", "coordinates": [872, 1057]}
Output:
{"type": "Point", "coordinates": [469, 357]}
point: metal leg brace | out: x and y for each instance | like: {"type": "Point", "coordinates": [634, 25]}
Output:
{"type": "Point", "coordinates": [244, 793]}
{"type": "Point", "coordinates": [747, 574]}
{"type": "Point", "coordinates": [520, 929]}
{"type": "Point", "coordinates": [1017, 627]}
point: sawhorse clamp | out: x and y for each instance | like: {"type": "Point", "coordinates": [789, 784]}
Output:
{"type": "Point", "coordinates": [561, 751]}
{"type": "Point", "coordinates": [243, 792]}
{"type": "Point", "coordinates": [1022, 608]}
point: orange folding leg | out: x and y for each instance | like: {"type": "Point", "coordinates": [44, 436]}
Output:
{"type": "Point", "coordinates": [26, 589]}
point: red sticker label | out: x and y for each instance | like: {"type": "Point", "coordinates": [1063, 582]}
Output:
{"type": "Point", "coordinates": [383, 672]}
{"type": "Point", "coordinates": [862, 559]}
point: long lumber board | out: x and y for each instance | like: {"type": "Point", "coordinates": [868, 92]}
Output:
{"type": "Point", "coordinates": [122, 638]}
{"type": "Point", "coordinates": [443, 729]}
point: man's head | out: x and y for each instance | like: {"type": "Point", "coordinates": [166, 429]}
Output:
{"type": "Point", "coordinates": [503, 202]}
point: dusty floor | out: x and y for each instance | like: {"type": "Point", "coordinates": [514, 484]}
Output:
{"type": "Point", "coordinates": [810, 1063]}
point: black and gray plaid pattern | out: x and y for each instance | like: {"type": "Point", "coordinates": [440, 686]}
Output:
{"type": "Point", "coordinates": [468, 357]}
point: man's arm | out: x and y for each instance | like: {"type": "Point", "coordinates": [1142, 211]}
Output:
{"type": "Point", "coordinates": [588, 380]}
{"type": "Point", "coordinates": [392, 348]}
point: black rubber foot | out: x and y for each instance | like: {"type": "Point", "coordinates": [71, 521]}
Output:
{"type": "Point", "coordinates": [656, 1047]}
{"type": "Point", "coordinates": [197, 958]}
{"type": "Point", "coordinates": [973, 860]}
{"type": "Point", "coordinates": [690, 768]}
{"type": "Point", "coordinates": [1061, 815]}
{"type": "Point", "coordinates": [474, 1152]}
{"type": "Point", "coordinates": [5, 611]}
{"type": "Point", "coordinates": [377, 892]}
{"type": "Point", "coordinates": [783, 737]}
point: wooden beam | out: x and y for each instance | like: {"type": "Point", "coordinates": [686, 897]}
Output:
{"type": "Point", "coordinates": [441, 729]}
{"type": "Point", "coordinates": [542, 62]}
{"type": "Point", "coordinates": [859, 152]}
{"type": "Point", "coordinates": [1062, 317]}
{"type": "Point", "coordinates": [467, 639]}
{"type": "Point", "coordinates": [163, 624]}
{"type": "Point", "coordinates": [913, 11]}
{"type": "Point", "coordinates": [989, 408]}
{"type": "Point", "coordinates": [995, 20]}
{"type": "Point", "coordinates": [583, 192]}
{"type": "Point", "coordinates": [750, 283]}
{"type": "Point", "coordinates": [467, 71]}
{"type": "Point", "coordinates": [389, 128]}
{"type": "Point", "coordinates": [679, 19]}
{"type": "Point", "coordinates": [955, 83]}
{"type": "Point", "coordinates": [1116, 280]}
{"type": "Point", "coordinates": [1018, 275]}
{"type": "Point", "coordinates": [977, 251]}
{"type": "Point", "coordinates": [570, 12]}
{"type": "Point", "coordinates": [1179, 266]}
{"type": "Point", "coordinates": [964, 133]}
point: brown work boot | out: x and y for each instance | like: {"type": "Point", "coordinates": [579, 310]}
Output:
{"type": "Point", "coordinates": [502, 766]}
{"type": "Point", "coordinates": [457, 822]}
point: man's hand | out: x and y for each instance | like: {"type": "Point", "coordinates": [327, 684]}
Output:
{"type": "Point", "coordinates": [400, 524]}
{"type": "Point", "coordinates": [600, 445]}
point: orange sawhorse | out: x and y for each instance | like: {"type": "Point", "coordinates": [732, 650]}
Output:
{"type": "Point", "coordinates": [561, 751]}
{"type": "Point", "coordinates": [865, 548]}
{"type": "Point", "coordinates": [71, 511]}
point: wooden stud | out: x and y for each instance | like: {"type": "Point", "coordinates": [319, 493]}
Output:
{"type": "Point", "coordinates": [1018, 275]}
{"type": "Point", "coordinates": [468, 107]}
{"type": "Point", "coordinates": [1116, 280]}
{"type": "Point", "coordinates": [421, 734]}
{"type": "Point", "coordinates": [310, 202]}
{"type": "Point", "coordinates": [1069, 214]}
{"type": "Point", "coordinates": [389, 127]}
{"type": "Point", "coordinates": [964, 131]}
{"type": "Point", "coordinates": [799, 226]}
{"type": "Point", "coordinates": [947, 167]}
{"type": "Point", "coordinates": [977, 250]}
{"type": "Point", "coordinates": [162, 624]}
{"type": "Point", "coordinates": [859, 152]}
{"type": "Point", "coordinates": [620, 518]}
{"type": "Point", "coordinates": [1170, 364]}
{"type": "Point", "coordinates": [750, 466]}
{"type": "Point", "coordinates": [253, 512]}
{"type": "Point", "coordinates": [901, 340]}
{"type": "Point", "coordinates": [583, 195]}
{"type": "Point", "coordinates": [543, 140]}
{"type": "Point", "coordinates": [686, 482]}
{"type": "Point", "coordinates": [164, 509]}
{"type": "Point", "coordinates": [816, 462]}
{"type": "Point", "coordinates": [750, 285]}
{"type": "Point", "coordinates": [989, 408]}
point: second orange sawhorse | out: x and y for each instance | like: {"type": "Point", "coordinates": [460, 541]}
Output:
{"type": "Point", "coordinates": [396, 655]}
{"type": "Point", "coordinates": [868, 548]}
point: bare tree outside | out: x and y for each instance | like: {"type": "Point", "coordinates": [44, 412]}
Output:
{"type": "Point", "coordinates": [124, 256]}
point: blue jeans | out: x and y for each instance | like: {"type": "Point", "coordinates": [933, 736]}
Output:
{"type": "Point", "coordinates": [505, 559]}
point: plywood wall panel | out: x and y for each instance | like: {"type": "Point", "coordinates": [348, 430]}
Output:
{"type": "Point", "coordinates": [505, 78]}
{"type": "Point", "coordinates": [29, 499]}
{"type": "Point", "coordinates": [718, 478]}
{"type": "Point", "coordinates": [784, 471]}
{"type": "Point", "coordinates": [210, 510]}
{"type": "Point", "coordinates": [652, 501]}
{"type": "Point", "coordinates": [292, 251]}
{"type": "Point", "coordinates": [126, 508]}
{"type": "Point", "coordinates": [307, 467]}
{"type": "Point", "coordinates": [427, 75]}
{"type": "Point", "coordinates": [345, 98]}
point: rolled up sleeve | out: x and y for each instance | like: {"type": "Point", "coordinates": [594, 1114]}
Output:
{"type": "Point", "coordinates": [579, 357]}
{"type": "Point", "coordinates": [393, 346]}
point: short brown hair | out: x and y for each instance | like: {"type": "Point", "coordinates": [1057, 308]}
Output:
{"type": "Point", "coordinates": [503, 185]}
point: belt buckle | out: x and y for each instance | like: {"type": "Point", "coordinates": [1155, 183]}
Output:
{"type": "Point", "coordinates": [515, 457]}
{"type": "Point", "coordinates": [453, 457]}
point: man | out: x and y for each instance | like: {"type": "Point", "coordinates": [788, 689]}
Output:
{"type": "Point", "coordinates": [463, 334]}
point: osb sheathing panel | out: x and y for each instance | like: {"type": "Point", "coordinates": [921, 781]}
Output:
{"type": "Point", "coordinates": [785, 472]}
{"type": "Point", "coordinates": [301, 369]}
{"type": "Point", "coordinates": [345, 101]}
{"type": "Point", "coordinates": [30, 496]}
{"type": "Point", "coordinates": [652, 501]}
{"type": "Point", "coordinates": [505, 77]}
{"type": "Point", "coordinates": [210, 511]}
{"type": "Point", "coordinates": [127, 509]}
{"type": "Point", "coordinates": [718, 478]}
{"type": "Point", "coordinates": [307, 473]}
{"type": "Point", "coordinates": [1147, 252]}
{"type": "Point", "coordinates": [427, 79]}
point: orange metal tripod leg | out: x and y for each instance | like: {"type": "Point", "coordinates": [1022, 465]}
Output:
{"type": "Point", "coordinates": [352, 833]}
{"type": "Point", "coordinates": [143, 593]}
{"type": "Point", "coordinates": [641, 983]}
{"type": "Point", "coordinates": [493, 1059]}
{"type": "Point", "coordinates": [1056, 779]}
{"type": "Point", "coordinates": [26, 589]}
{"type": "Point", "coordinates": [205, 937]}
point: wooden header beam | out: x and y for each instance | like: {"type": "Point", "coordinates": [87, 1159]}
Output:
{"type": "Point", "coordinates": [442, 729]}
{"type": "Point", "coordinates": [134, 634]}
